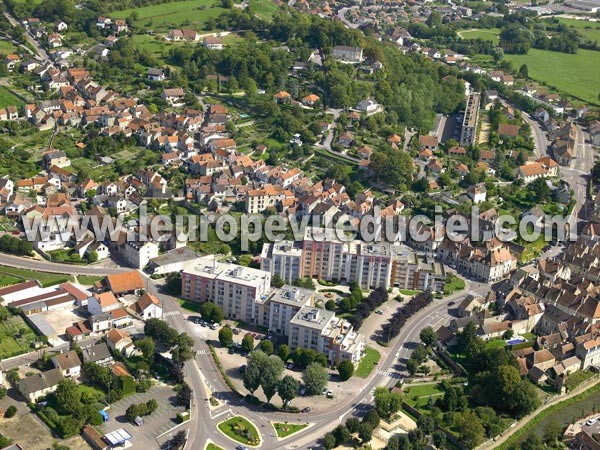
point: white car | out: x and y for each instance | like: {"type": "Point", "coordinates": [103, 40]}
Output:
{"type": "Point", "coordinates": [591, 422]}
{"type": "Point", "coordinates": [214, 326]}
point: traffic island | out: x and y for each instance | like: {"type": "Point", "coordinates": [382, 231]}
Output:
{"type": "Point", "coordinates": [285, 429]}
{"type": "Point", "coordinates": [240, 430]}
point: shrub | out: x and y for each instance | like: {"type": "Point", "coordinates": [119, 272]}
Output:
{"type": "Point", "coordinates": [10, 411]}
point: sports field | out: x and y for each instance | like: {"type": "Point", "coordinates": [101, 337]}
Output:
{"type": "Point", "coordinates": [573, 74]}
{"type": "Point", "coordinates": [490, 34]}
{"type": "Point", "coordinates": [186, 14]}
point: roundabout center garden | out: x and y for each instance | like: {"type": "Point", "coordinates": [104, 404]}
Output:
{"type": "Point", "coordinates": [240, 430]}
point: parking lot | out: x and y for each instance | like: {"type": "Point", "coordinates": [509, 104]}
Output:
{"type": "Point", "coordinates": [155, 425]}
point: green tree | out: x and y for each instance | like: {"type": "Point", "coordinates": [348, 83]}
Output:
{"type": "Point", "coordinates": [470, 429]}
{"type": "Point", "coordinates": [329, 441]}
{"type": "Point", "coordinates": [211, 312]}
{"type": "Point", "coordinates": [252, 374]}
{"type": "Point", "coordinates": [387, 403]}
{"type": "Point", "coordinates": [277, 281]}
{"type": "Point", "coordinates": [365, 433]}
{"type": "Point", "coordinates": [10, 411]}
{"type": "Point", "coordinates": [284, 352]}
{"type": "Point", "coordinates": [270, 376]}
{"type": "Point", "coordinates": [352, 424]}
{"type": "Point", "coordinates": [146, 346]}
{"type": "Point", "coordinates": [524, 71]}
{"type": "Point", "coordinates": [330, 305]}
{"type": "Point", "coordinates": [266, 346]}
{"type": "Point", "coordinates": [346, 370]}
{"type": "Point", "coordinates": [315, 378]}
{"type": "Point", "coordinates": [248, 343]}
{"type": "Point", "coordinates": [68, 396]}
{"type": "Point", "coordinates": [342, 435]}
{"type": "Point", "coordinates": [225, 336]}
{"type": "Point", "coordinates": [288, 389]}
{"type": "Point", "coordinates": [428, 336]}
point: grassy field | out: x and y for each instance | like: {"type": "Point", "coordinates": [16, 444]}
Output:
{"type": "Point", "coordinates": [368, 363]}
{"type": "Point", "coordinates": [45, 278]}
{"type": "Point", "coordinates": [16, 337]}
{"type": "Point", "coordinates": [485, 34]}
{"type": "Point", "coordinates": [7, 98]}
{"type": "Point", "coordinates": [191, 14]}
{"type": "Point", "coordinates": [286, 429]}
{"type": "Point", "coordinates": [6, 48]}
{"type": "Point", "coordinates": [587, 29]}
{"type": "Point", "coordinates": [263, 8]}
{"type": "Point", "coordinates": [234, 427]}
{"type": "Point", "coordinates": [573, 74]}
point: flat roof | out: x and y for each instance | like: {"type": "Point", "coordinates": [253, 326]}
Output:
{"type": "Point", "coordinates": [208, 267]}
{"type": "Point", "coordinates": [117, 437]}
{"type": "Point", "coordinates": [311, 317]}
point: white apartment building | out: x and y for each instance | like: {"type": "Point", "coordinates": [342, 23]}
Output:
{"type": "Point", "coordinates": [280, 307]}
{"type": "Point", "coordinates": [236, 289]}
{"type": "Point", "coordinates": [282, 258]}
{"type": "Point", "coordinates": [321, 331]}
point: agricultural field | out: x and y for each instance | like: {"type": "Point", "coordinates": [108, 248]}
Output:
{"type": "Point", "coordinates": [191, 14]}
{"type": "Point", "coordinates": [7, 98]}
{"type": "Point", "coordinates": [576, 74]}
{"type": "Point", "coordinates": [485, 34]}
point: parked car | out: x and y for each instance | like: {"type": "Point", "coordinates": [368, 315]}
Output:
{"type": "Point", "coordinates": [330, 394]}
{"type": "Point", "coordinates": [380, 312]}
{"type": "Point", "coordinates": [214, 326]}
{"type": "Point", "coordinates": [241, 447]}
{"type": "Point", "coordinates": [324, 391]}
{"type": "Point", "coordinates": [305, 410]}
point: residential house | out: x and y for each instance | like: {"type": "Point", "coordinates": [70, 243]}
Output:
{"type": "Point", "coordinates": [39, 385]}
{"type": "Point", "coordinates": [97, 354]}
{"type": "Point", "coordinates": [348, 54]}
{"type": "Point", "coordinates": [102, 303]}
{"type": "Point", "coordinates": [175, 96]}
{"type": "Point", "coordinates": [68, 364]}
{"type": "Point", "coordinates": [148, 307]}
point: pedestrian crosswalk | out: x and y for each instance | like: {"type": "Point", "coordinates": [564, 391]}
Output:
{"type": "Point", "coordinates": [172, 313]}
{"type": "Point", "coordinates": [202, 352]}
{"type": "Point", "coordinates": [389, 374]}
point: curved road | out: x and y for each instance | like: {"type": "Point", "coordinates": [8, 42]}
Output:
{"type": "Point", "coordinates": [203, 373]}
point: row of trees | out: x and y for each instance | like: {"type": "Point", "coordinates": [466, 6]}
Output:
{"type": "Point", "coordinates": [263, 371]}
{"type": "Point", "coordinates": [15, 246]}
{"type": "Point", "coordinates": [141, 409]}
{"type": "Point", "coordinates": [392, 328]}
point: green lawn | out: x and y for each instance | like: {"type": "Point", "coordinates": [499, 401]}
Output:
{"type": "Point", "coordinates": [189, 305]}
{"type": "Point", "coordinates": [286, 429]}
{"type": "Point", "coordinates": [240, 430]}
{"type": "Point", "coordinates": [16, 337]}
{"type": "Point", "coordinates": [485, 34]}
{"type": "Point", "coordinates": [576, 74]}
{"type": "Point", "coordinates": [212, 446]}
{"type": "Point", "coordinates": [7, 280]}
{"type": "Point", "coordinates": [88, 280]}
{"type": "Point", "coordinates": [45, 278]}
{"type": "Point", "coordinates": [7, 98]}
{"type": "Point", "coordinates": [418, 395]}
{"type": "Point", "coordinates": [367, 363]}
{"type": "Point", "coordinates": [588, 30]}
{"type": "Point", "coordinates": [495, 343]}
{"type": "Point", "coordinates": [186, 14]}
{"type": "Point", "coordinates": [409, 292]}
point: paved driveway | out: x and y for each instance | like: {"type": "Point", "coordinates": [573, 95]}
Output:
{"type": "Point", "coordinates": [155, 425]}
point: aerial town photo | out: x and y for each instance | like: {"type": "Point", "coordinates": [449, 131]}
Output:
{"type": "Point", "coordinates": [299, 224]}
